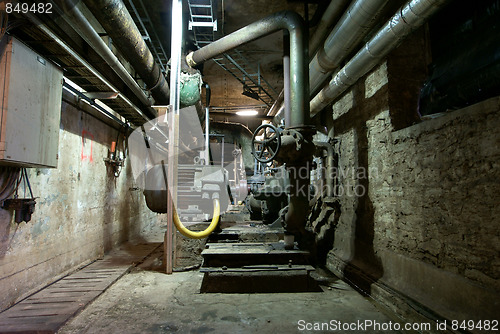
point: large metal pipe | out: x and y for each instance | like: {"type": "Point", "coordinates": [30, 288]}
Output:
{"type": "Point", "coordinates": [346, 25]}
{"type": "Point", "coordinates": [331, 14]}
{"type": "Point", "coordinates": [357, 21]}
{"type": "Point", "coordinates": [408, 18]}
{"type": "Point", "coordinates": [75, 18]}
{"type": "Point", "coordinates": [299, 79]}
{"type": "Point", "coordinates": [286, 77]}
{"type": "Point", "coordinates": [116, 20]}
{"type": "Point", "coordinates": [84, 63]}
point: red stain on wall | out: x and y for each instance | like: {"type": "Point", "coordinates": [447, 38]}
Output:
{"type": "Point", "coordinates": [86, 148]}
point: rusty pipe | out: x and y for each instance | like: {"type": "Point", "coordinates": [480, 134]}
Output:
{"type": "Point", "coordinates": [299, 76]}
{"type": "Point", "coordinates": [116, 20]}
{"type": "Point", "coordinates": [74, 17]}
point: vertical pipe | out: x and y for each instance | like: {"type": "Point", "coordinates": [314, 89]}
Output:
{"type": "Point", "coordinates": [299, 75]}
{"type": "Point", "coordinates": [207, 136]}
{"type": "Point", "coordinates": [222, 154]}
{"type": "Point", "coordinates": [173, 120]}
{"type": "Point", "coordinates": [286, 77]}
{"type": "Point", "coordinates": [207, 125]}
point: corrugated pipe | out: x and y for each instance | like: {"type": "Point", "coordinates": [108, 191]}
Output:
{"type": "Point", "coordinates": [357, 21]}
{"type": "Point", "coordinates": [408, 18]}
{"type": "Point", "coordinates": [299, 79]}
{"type": "Point", "coordinates": [75, 18]}
{"type": "Point", "coordinates": [116, 20]}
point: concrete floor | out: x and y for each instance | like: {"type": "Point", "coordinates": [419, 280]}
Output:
{"type": "Point", "coordinates": [148, 301]}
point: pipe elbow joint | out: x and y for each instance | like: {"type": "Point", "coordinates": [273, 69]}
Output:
{"type": "Point", "coordinates": [291, 20]}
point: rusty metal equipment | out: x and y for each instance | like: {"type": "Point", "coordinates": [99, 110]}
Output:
{"type": "Point", "coordinates": [296, 141]}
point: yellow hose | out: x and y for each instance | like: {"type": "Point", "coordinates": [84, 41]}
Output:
{"type": "Point", "coordinates": [200, 234]}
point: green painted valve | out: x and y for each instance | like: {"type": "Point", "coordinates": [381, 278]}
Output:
{"type": "Point", "coordinates": [190, 89]}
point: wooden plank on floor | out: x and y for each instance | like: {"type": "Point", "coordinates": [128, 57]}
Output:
{"type": "Point", "coordinates": [50, 308]}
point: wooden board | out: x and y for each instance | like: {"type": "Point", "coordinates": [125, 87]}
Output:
{"type": "Point", "coordinates": [49, 309]}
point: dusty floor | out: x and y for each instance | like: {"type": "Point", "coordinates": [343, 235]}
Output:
{"type": "Point", "coordinates": [148, 301]}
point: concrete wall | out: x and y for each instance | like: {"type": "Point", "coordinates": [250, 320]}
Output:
{"type": "Point", "coordinates": [82, 211]}
{"type": "Point", "coordinates": [419, 222]}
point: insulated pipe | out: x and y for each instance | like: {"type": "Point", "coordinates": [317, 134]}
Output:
{"type": "Point", "coordinates": [200, 234]}
{"type": "Point", "coordinates": [116, 20]}
{"type": "Point", "coordinates": [299, 83]}
{"type": "Point", "coordinates": [84, 63]}
{"type": "Point", "coordinates": [75, 18]}
{"type": "Point", "coordinates": [359, 18]}
{"type": "Point", "coordinates": [331, 14]}
{"type": "Point", "coordinates": [408, 18]}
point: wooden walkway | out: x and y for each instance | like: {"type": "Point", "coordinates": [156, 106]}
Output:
{"type": "Point", "coordinates": [50, 308]}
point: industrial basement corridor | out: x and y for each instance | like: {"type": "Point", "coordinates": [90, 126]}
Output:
{"type": "Point", "coordinates": [249, 166]}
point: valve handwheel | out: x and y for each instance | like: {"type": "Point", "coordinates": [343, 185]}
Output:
{"type": "Point", "coordinates": [266, 142]}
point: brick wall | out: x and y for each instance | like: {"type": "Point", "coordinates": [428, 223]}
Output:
{"type": "Point", "coordinates": [419, 202]}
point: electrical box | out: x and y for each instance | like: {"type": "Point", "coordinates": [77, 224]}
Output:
{"type": "Point", "coordinates": [30, 100]}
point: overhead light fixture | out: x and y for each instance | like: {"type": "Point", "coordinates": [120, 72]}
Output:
{"type": "Point", "coordinates": [248, 112]}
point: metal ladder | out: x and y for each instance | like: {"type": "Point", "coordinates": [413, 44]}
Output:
{"type": "Point", "coordinates": [203, 23]}
{"type": "Point", "coordinates": [143, 22]}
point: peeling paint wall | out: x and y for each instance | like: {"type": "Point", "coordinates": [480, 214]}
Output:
{"type": "Point", "coordinates": [419, 223]}
{"type": "Point", "coordinates": [82, 211]}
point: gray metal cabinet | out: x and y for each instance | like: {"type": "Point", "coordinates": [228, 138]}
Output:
{"type": "Point", "coordinates": [30, 100]}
